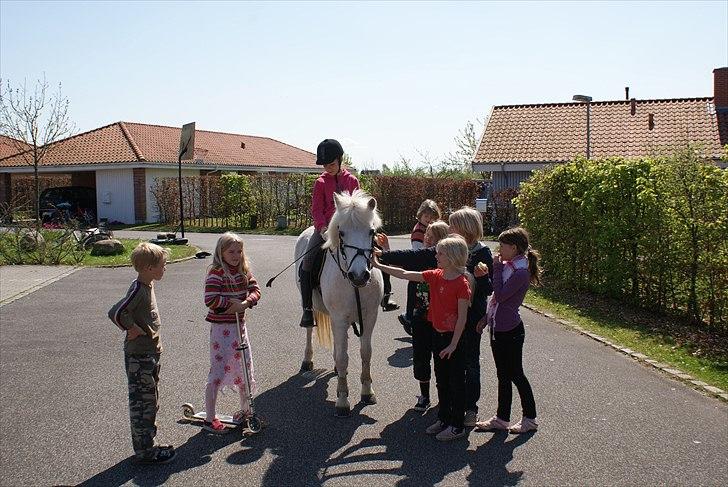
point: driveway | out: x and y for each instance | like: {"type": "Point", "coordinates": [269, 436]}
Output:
{"type": "Point", "coordinates": [605, 419]}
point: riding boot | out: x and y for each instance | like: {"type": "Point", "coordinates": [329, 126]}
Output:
{"type": "Point", "coordinates": [306, 299]}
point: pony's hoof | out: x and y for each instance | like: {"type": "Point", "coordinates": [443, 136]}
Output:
{"type": "Point", "coordinates": [342, 412]}
{"type": "Point", "coordinates": [369, 399]}
{"type": "Point", "coordinates": [306, 366]}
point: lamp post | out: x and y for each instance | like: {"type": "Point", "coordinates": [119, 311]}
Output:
{"type": "Point", "coordinates": [587, 100]}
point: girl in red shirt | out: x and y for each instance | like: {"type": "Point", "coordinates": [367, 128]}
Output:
{"type": "Point", "coordinates": [450, 292]}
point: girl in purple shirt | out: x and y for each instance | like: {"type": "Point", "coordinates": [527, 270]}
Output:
{"type": "Point", "coordinates": [514, 269]}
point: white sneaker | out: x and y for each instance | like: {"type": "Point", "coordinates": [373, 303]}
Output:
{"type": "Point", "coordinates": [492, 424]}
{"type": "Point", "coordinates": [451, 433]}
{"type": "Point", "coordinates": [524, 426]}
{"type": "Point", "coordinates": [436, 428]}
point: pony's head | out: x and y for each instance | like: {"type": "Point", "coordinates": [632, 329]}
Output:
{"type": "Point", "coordinates": [351, 231]}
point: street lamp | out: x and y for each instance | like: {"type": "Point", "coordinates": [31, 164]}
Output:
{"type": "Point", "coordinates": [587, 100]}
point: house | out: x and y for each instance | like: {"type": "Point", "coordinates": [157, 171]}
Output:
{"type": "Point", "coordinates": [519, 139]}
{"type": "Point", "coordinates": [121, 161]}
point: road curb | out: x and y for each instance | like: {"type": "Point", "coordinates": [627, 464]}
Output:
{"type": "Point", "coordinates": [676, 374]}
{"type": "Point", "coordinates": [38, 286]}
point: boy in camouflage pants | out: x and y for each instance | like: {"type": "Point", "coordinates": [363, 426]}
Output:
{"type": "Point", "coordinates": [137, 315]}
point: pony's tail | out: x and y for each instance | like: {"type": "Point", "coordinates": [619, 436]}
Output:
{"type": "Point", "coordinates": [324, 335]}
{"type": "Point", "coordinates": [533, 266]}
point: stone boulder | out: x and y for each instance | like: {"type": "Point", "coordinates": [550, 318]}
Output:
{"type": "Point", "coordinates": [107, 247]}
{"type": "Point", "coordinates": [30, 240]}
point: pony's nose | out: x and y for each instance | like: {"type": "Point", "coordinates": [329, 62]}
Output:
{"type": "Point", "coordinates": [359, 280]}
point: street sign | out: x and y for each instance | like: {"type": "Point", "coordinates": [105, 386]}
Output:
{"type": "Point", "coordinates": [187, 142]}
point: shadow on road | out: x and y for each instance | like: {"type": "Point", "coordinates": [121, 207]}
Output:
{"type": "Point", "coordinates": [402, 357]}
{"type": "Point", "coordinates": [424, 460]}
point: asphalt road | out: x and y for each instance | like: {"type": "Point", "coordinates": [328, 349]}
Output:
{"type": "Point", "coordinates": [605, 419]}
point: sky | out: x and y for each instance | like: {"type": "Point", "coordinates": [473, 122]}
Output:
{"type": "Point", "coordinates": [388, 80]}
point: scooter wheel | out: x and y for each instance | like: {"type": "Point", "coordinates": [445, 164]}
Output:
{"type": "Point", "coordinates": [254, 424]}
{"type": "Point", "coordinates": [188, 411]}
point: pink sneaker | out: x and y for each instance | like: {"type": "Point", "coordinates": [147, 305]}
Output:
{"type": "Point", "coordinates": [492, 424]}
{"type": "Point", "coordinates": [215, 427]}
{"type": "Point", "coordinates": [524, 426]}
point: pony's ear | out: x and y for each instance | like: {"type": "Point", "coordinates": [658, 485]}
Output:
{"type": "Point", "coordinates": [337, 200]}
{"type": "Point", "coordinates": [372, 204]}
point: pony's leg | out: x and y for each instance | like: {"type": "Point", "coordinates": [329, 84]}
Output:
{"type": "Point", "coordinates": [307, 363]}
{"type": "Point", "coordinates": [341, 358]}
{"type": "Point", "coordinates": [367, 392]}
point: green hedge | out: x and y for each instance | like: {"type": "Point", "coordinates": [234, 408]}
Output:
{"type": "Point", "coordinates": [651, 231]}
{"type": "Point", "coordinates": [230, 200]}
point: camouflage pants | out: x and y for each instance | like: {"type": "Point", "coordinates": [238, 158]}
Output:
{"type": "Point", "coordinates": [142, 372]}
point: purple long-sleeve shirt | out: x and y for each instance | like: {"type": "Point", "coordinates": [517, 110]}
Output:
{"type": "Point", "coordinates": [509, 296]}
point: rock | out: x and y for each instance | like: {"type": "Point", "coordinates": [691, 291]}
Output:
{"type": "Point", "coordinates": [107, 247]}
{"type": "Point", "coordinates": [30, 240]}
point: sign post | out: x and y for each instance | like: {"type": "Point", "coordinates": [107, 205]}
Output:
{"type": "Point", "coordinates": [186, 152]}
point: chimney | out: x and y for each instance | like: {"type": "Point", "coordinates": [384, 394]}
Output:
{"type": "Point", "coordinates": [632, 106]}
{"type": "Point", "coordinates": [626, 92]}
{"type": "Point", "coordinates": [720, 87]}
{"type": "Point", "coordinates": [651, 121]}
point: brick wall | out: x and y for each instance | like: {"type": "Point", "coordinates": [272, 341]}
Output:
{"type": "Point", "coordinates": [140, 195]}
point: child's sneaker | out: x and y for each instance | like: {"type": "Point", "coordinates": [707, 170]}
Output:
{"type": "Point", "coordinates": [494, 423]}
{"type": "Point", "coordinates": [451, 433]}
{"type": "Point", "coordinates": [423, 403]}
{"type": "Point", "coordinates": [160, 454]}
{"type": "Point", "coordinates": [524, 426]}
{"type": "Point", "coordinates": [406, 323]}
{"type": "Point", "coordinates": [471, 418]}
{"type": "Point", "coordinates": [215, 427]}
{"type": "Point", "coordinates": [436, 428]}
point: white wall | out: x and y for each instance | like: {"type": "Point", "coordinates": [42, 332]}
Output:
{"type": "Point", "coordinates": [152, 212]}
{"type": "Point", "coordinates": [115, 194]}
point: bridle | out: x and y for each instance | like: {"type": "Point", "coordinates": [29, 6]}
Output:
{"type": "Point", "coordinates": [367, 254]}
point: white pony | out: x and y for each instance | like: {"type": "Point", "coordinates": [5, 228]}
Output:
{"type": "Point", "coordinates": [347, 269]}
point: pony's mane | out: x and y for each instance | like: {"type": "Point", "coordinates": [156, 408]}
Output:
{"type": "Point", "coordinates": [353, 208]}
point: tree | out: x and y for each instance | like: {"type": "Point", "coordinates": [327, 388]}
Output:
{"type": "Point", "coordinates": [466, 142]}
{"type": "Point", "coordinates": [33, 120]}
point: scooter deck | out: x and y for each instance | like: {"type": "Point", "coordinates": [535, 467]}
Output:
{"type": "Point", "coordinates": [224, 418]}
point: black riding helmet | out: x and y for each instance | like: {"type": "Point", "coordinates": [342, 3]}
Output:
{"type": "Point", "coordinates": [328, 151]}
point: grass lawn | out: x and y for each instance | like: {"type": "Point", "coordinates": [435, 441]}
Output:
{"type": "Point", "coordinates": [176, 252]}
{"type": "Point", "coordinates": [694, 349]}
{"type": "Point", "coordinates": [161, 228]}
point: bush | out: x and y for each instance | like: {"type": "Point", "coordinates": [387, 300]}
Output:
{"type": "Point", "coordinates": [651, 231]}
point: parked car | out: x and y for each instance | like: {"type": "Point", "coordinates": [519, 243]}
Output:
{"type": "Point", "coordinates": [62, 204]}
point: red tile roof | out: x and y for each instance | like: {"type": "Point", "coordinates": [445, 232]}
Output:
{"type": "Point", "coordinates": [9, 146]}
{"type": "Point", "coordinates": [556, 132]}
{"type": "Point", "coordinates": [124, 142]}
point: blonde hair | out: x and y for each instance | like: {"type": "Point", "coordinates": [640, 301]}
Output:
{"type": "Point", "coordinates": [468, 223]}
{"type": "Point", "coordinates": [456, 250]}
{"type": "Point", "coordinates": [226, 240]}
{"type": "Point", "coordinates": [147, 254]}
{"type": "Point", "coordinates": [438, 229]}
{"type": "Point", "coordinates": [429, 206]}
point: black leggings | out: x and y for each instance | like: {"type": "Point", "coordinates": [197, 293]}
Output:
{"type": "Point", "coordinates": [422, 349]}
{"type": "Point", "coordinates": [507, 350]}
{"type": "Point", "coordinates": [450, 377]}
{"type": "Point", "coordinates": [316, 240]}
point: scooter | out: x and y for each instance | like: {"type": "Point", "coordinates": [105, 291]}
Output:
{"type": "Point", "coordinates": [251, 422]}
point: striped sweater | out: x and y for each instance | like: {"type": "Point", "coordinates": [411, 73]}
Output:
{"type": "Point", "coordinates": [219, 289]}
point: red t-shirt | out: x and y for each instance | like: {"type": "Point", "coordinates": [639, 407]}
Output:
{"type": "Point", "coordinates": [444, 296]}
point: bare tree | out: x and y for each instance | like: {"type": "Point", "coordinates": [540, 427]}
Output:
{"type": "Point", "coordinates": [466, 142]}
{"type": "Point", "coordinates": [33, 119]}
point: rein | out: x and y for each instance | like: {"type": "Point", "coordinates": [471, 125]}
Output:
{"type": "Point", "coordinates": [367, 254]}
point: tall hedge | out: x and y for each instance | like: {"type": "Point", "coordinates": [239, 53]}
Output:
{"type": "Point", "coordinates": [231, 200]}
{"type": "Point", "coordinates": [652, 231]}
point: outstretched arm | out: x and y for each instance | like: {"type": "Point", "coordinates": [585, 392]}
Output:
{"type": "Point", "coordinates": [400, 273]}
